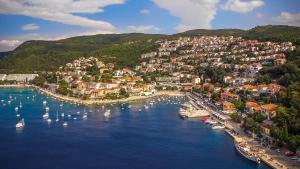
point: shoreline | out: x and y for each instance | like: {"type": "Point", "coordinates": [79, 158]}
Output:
{"type": "Point", "coordinates": [95, 101]}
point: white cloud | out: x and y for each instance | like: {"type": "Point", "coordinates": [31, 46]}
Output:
{"type": "Point", "coordinates": [145, 11]}
{"type": "Point", "coordinates": [193, 14]}
{"type": "Point", "coordinates": [61, 11]}
{"type": "Point", "coordinates": [287, 18]}
{"type": "Point", "coordinates": [242, 6]}
{"type": "Point", "coordinates": [30, 27]}
{"type": "Point", "coordinates": [8, 45]}
{"type": "Point", "coordinates": [143, 28]}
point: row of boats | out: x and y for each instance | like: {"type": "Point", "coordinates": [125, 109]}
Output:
{"type": "Point", "coordinates": [190, 110]}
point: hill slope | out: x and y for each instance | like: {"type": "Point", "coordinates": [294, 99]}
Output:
{"type": "Point", "coordinates": [122, 49]}
{"type": "Point", "coordinates": [49, 55]}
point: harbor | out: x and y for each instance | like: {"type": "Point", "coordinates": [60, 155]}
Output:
{"type": "Point", "coordinates": [128, 132]}
{"type": "Point", "coordinates": [246, 146]}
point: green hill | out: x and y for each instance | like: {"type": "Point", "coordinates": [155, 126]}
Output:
{"type": "Point", "coordinates": [122, 49]}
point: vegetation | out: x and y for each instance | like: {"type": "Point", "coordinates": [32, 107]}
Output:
{"type": "Point", "coordinates": [122, 49]}
{"type": "Point", "coordinates": [286, 128]}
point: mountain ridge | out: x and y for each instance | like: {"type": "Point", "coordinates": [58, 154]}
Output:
{"type": "Point", "coordinates": [124, 49]}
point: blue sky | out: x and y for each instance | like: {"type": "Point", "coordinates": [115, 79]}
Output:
{"type": "Point", "coordinates": [23, 20]}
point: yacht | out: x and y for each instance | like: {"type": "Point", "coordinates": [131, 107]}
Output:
{"type": "Point", "coordinates": [246, 151]}
{"type": "Point", "coordinates": [16, 109]}
{"type": "Point", "coordinates": [62, 114]}
{"type": "Point", "coordinates": [65, 124]}
{"type": "Point", "coordinates": [18, 115]}
{"type": "Point", "coordinates": [20, 124]}
{"type": "Point", "coordinates": [49, 120]}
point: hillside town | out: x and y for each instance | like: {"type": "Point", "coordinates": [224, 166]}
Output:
{"type": "Point", "coordinates": [223, 70]}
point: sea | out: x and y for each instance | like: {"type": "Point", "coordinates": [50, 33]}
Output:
{"type": "Point", "coordinates": [134, 136]}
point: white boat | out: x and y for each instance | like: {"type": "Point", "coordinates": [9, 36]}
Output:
{"type": "Point", "coordinates": [18, 115]}
{"type": "Point", "coordinates": [146, 107]}
{"type": "Point", "coordinates": [44, 102]}
{"type": "Point", "coordinates": [47, 109]}
{"type": "Point", "coordinates": [246, 152]}
{"type": "Point", "coordinates": [217, 127]}
{"type": "Point", "coordinates": [46, 115]}
{"type": "Point", "coordinates": [69, 115]}
{"type": "Point", "coordinates": [57, 119]}
{"type": "Point", "coordinates": [75, 118]}
{"type": "Point", "coordinates": [65, 124]}
{"type": "Point", "coordinates": [20, 124]}
{"type": "Point", "coordinates": [62, 114]}
{"type": "Point", "coordinates": [107, 113]}
{"type": "Point", "coordinates": [49, 120]}
{"type": "Point", "coordinates": [16, 109]}
{"type": "Point", "coordinates": [78, 112]}
{"type": "Point", "coordinates": [212, 122]}
{"type": "Point", "coordinates": [20, 105]}
{"type": "Point", "coordinates": [85, 115]}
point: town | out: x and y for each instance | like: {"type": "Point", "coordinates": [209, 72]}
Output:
{"type": "Point", "coordinates": [223, 70]}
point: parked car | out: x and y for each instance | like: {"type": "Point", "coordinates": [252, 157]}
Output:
{"type": "Point", "coordinates": [290, 154]}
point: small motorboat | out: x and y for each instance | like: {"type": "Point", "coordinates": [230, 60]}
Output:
{"type": "Point", "coordinates": [65, 124]}
{"type": "Point", "coordinates": [49, 120]}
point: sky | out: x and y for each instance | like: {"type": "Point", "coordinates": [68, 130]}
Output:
{"type": "Point", "coordinates": [23, 20]}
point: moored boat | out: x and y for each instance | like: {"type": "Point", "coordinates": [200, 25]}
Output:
{"type": "Point", "coordinates": [246, 152]}
{"type": "Point", "coordinates": [20, 124]}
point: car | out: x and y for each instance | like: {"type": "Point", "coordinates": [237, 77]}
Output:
{"type": "Point", "coordinates": [290, 153]}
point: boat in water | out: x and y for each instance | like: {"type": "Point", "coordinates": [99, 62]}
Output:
{"type": "Point", "coordinates": [187, 110]}
{"type": "Point", "coordinates": [218, 127]}
{"type": "Point", "coordinates": [20, 124]}
{"type": "Point", "coordinates": [107, 113]}
{"type": "Point", "coordinates": [245, 150]}
{"type": "Point", "coordinates": [65, 124]}
{"type": "Point", "coordinates": [46, 115]}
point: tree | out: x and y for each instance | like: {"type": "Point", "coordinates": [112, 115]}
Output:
{"type": "Point", "coordinates": [123, 93]}
{"type": "Point", "coordinates": [294, 142]}
{"type": "Point", "coordinates": [239, 104]}
{"type": "Point", "coordinates": [63, 88]}
{"type": "Point", "coordinates": [93, 70]}
{"type": "Point", "coordinates": [236, 117]}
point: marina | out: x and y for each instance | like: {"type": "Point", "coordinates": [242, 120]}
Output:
{"type": "Point", "coordinates": [127, 135]}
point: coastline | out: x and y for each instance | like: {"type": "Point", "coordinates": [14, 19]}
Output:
{"type": "Point", "coordinates": [96, 101]}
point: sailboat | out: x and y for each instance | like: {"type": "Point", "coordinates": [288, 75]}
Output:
{"type": "Point", "coordinates": [20, 124]}
{"type": "Point", "coordinates": [57, 119]}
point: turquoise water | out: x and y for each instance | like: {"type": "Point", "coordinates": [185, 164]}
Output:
{"type": "Point", "coordinates": [129, 139]}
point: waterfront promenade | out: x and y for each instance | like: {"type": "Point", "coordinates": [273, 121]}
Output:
{"type": "Point", "coordinates": [98, 101]}
{"type": "Point", "coordinates": [276, 161]}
